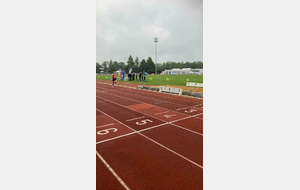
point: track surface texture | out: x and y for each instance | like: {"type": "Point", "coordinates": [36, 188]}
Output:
{"type": "Point", "coordinates": [147, 140]}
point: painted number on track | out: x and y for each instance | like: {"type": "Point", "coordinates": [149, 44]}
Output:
{"type": "Point", "coordinates": [190, 111]}
{"type": "Point", "coordinates": [106, 131]}
{"type": "Point", "coordinates": [143, 122]}
{"type": "Point", "coordinates": [168, 116]}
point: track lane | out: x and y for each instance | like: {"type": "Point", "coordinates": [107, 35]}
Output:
{"type": "Point", "coordinates": [176, 138]}
{"type": "Point", "coordinates": [155, 95]}
{"type": "Point", "coordinates": [144, 165]}
{"type": "Point", "coordinates": [104, 178]}
{"type": "Point", "coordinates": [187, 110]}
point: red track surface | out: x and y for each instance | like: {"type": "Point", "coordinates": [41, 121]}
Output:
{"type": "Point", "coordinates": [148, 140]}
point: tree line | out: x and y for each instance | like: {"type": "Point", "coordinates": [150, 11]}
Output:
{"type": "Point", "coordinates": [145, 65]}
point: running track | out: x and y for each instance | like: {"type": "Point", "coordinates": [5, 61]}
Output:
{"type": "Point", "coordinates": [148, 140]}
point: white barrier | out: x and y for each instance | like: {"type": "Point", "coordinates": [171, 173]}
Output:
{"type": "Point", "coordinates": [170, 89]}
{"type": "Point", "coordinates": [195, 84]}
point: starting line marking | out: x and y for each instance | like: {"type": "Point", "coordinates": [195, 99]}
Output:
{"type": "Point", "coordinates": [116, 137]}
{"type": "Point", "coordinates": [161, 112]}
{"type": "Point", "coordinates": [105, 125]}
{"type": "Point", "coordinates": [134, 118]}
{"type": "Point", "coordinates": [181, 108]}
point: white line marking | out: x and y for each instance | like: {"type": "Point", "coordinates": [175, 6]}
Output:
{"type": "Point", "coordinates": [187, 129]}
{"type": "Point", "coordinates": [144, 114]}
{"type": "Point", "coordinates": [186, 118]}
{"type": "Point", "coordinates": [112, 171]}
{"type": "Point", "coordinates": [105, 125]}
{"type": "Point", "coordinates": [197, 105]}
{"type": "Point", "coordinates": [142, 102]}
{"type": "Point", "coordinates": [181, 108]}
{"type": "Point", "coordinates": [183, 96]}
{"type": "Point", "coordinates": [134, 118]}
{"type": "Point", "coordinates": [161, 112]}
{"type": "Point", "coordinates": [172, 151]}
{"type": "Point", "coordinates": [152, 127]}
{"type": "Point", "coordinates": [116, 137]}
{"type": "Point", "coordinates": [154, 140]}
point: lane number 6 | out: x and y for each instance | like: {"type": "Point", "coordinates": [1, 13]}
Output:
{"type": "Point", "coordinates": [105, 131]}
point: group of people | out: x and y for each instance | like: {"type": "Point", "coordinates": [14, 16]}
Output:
{"type": "Point", "coordinates": [141, 76]}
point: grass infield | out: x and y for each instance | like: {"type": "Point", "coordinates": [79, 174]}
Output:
{"type": "Point", "coordinates": [175, 80]}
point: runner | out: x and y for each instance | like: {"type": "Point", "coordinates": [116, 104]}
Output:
{"type": "Point", "coordinates": [114, 79]}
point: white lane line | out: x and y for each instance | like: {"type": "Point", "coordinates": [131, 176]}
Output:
{"type": "Point", "coordinates": [130, 133]}
{"type": "Point", "coordinates": [197, 105]}
{"type": "Point", "coordinates": [152, 139]}
{"type": "Point", "coordinates": [161, 112]}
{"type": "Point", "coordinates": [153, 127]}
{"type": "Point", "coordinates": [116, 137]}
{"type": "Point", "coordinates": [114, 119]}
{"type": "Point", "coordinates": [157, 142]}
{"type": "Point", "coordinates": [105, 125]}
{"type": "Point", "coordinates": [144, 114]}
{"type": "Point", "coordinates": [186, 118]}
{"type": "Point", "coordinates": [164, 100]}
{"type": "Point", "coordinates": [172, 151]}
{"type": "Point", "coordinates": [187, 129]}
{"type": "Point", "coordinates": [142, 102]}
{"type": "Point", "coordinates": [181, 108]}
{"type": "Point", "coordinates": [183, 96]}
{"type": "Point", "coordinates": [134, 118]}
{"type": "Point", "coordinates": [112, 171]}
{"type": "Point", "coordinates": [125, 126]}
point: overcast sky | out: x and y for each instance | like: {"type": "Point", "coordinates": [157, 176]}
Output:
{"type": "Point", "coordinates": [128, 27]}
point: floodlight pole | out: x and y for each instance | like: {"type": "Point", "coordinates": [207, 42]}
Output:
{"type": "Point", "coordinates": [156, 40]}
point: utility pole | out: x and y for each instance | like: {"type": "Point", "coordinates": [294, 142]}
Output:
{"type": "Point", "coordinates": [156, 40]}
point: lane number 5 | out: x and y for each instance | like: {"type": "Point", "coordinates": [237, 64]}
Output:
{"type": "Point", "coordinates": [143, 122]}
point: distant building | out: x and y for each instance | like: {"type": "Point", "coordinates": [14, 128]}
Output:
{"type": "Point", "coordinates": [183, 71]}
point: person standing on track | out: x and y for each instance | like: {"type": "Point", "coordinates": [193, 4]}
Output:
{"type": "Point", "coordinates": [114, 79]}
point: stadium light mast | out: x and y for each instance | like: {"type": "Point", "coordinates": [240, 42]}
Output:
{"type": "Point", "coordinates": [156, 40]}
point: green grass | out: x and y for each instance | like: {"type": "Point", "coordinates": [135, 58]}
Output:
{"type": "Point", "coordinates": [176, 80]}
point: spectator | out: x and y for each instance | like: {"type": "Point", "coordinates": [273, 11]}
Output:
{"type": "Point", "coordinates": [140, 75]}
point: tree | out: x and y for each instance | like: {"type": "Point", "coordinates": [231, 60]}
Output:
{"type": "Point", "coordinates": [98, 66]}
{"type": "Point", "coordinates": [150, 66]}
{"type": "Point", "coordinates": [136, 64]}
{"type": "Point", "coordinates": [115, 66]}
{"type": "Point", "coordinates": [160, 68]}
{"type": "Point", "coordinates": [142, 65]}
{"type": "Point", "coordinates": [110, 66]}
{"type": "Point", "coordinates": [130, 63]}
{"type": "Point", "coordinates": [105, 66]}
{"type": "Point", "coordinates": [122, 65]}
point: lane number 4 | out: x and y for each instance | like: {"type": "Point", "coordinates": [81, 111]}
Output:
{"type": "Point", "coordinates": [190, 111]}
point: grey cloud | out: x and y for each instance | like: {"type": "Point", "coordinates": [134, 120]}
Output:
{"type": "Point", "coordinates": [129, 29]}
